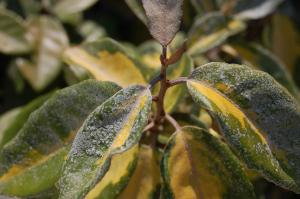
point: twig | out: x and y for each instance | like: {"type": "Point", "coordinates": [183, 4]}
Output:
{"type": "Point", "coordinates": [154, 81]}
{"type": "Point", "coordinates": [172, 121]}
{"type": "Point", "coordinates": [177, 55]}
{"type": "Point", "coordinates": [174, 82]}
{"type": "Point", "coordinates": [149, 126]}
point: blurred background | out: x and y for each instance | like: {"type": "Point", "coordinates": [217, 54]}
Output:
{"type": "Point", "coordinates": [34, 34]}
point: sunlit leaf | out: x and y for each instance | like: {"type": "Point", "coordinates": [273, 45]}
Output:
{"type": "Point", "coordinates": [107, 60]}
{"type": "Point", "coordinates": [198, 165]}
{"type": "Point", "coordinates": [164, 17]}
{"type": "Point", "coordinates": [12, 33]}
{"type": "Point", "coordinates": [113, 127]}
{"type": "Point", "coordinates": [255, 9]}
{"type": "Point", "coordinates": [49, 40]}
{"type": "Point", "coordinates": [210, 31]}
{"type": "Point", "coordinates": [15, 123]}
{"type": "Point", "coordinates": [145, 181]}
{"type": "Point", "coordinates": [262, 59]}
{"type": "Point", "coordinates": [31, 162]}
{"type": "Point", "coordinates": [257, 116]}
{"type": "Point", "coordinates": [137, 7]}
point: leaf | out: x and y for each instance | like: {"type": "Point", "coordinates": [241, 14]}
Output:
{"type": "Point", "coordinates": [211, 31]}
{"type": "Point", "coordinates": [31, 162]}
{"type": "Point", "coordinates": [64, 8]}
{"type": "Point", "coordinates": [16, 122]}
{"type": "Point", "coordinates": [49, 40]}
{"type": "Point", "coordinates": [91, 31]}
{"type": "Point", "coordinates": [287, 48]}
{"type": "Point", "coordinates": [164, 18]}
{"type": "Point", "coordinates": [12, 33]}
{"type": "Point", "coordinates": [255, 9]}
{"type": "Point", "coordinates": [257, 116]}
{"type": "Point", "coordinates": [137, 8]}
{"type": "Point", "coordinates": [117, 177]}
{"type": "Point", "coordinates": [74, 75]}
{"type": "Point", "coordinates": [107, 60]}
{"type": "Point", "coordinates": [6, 121]}
{"type": "Point", "coordinates": [112, 128]}
{"type": "Point", "coordinates": [145, 181]}
{"type": "Point", "coordinates": [150, 54]}
{"type": "Point", "coordinates": [261, 58]}
{"type": "Point", "coordinates": [196, 164]}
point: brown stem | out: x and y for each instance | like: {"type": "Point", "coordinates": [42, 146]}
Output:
{"type": "Point", "coordinates": [160, 112]}
{"type": "Point", "coordinates": [174, 82]}
{"type": "Point", "coordinates": [172, 121]}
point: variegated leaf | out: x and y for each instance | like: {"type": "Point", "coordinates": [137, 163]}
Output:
{"type": "Point", "coordinates": [112, 128]}
{"type": "Point", "coordinates": [197, 165]}
{"type": "Point", "coordinates": [257, 116]}
{"type": "Point", "coordinates": [31, 162]}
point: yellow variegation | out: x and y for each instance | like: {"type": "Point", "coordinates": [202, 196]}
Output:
{"type": "Point", "coordinates": [113, 127]}
{"type": "Point", "coordinates": [145, 181]}
{"type": "Point", "coordinates": [31, 162]}
{"type": "Point", "coordinates": [118, 175]}
{"type": "Point", "coordinates": [210, 31]}
{"type": "Point", "coordinates": [198, 165]}
{"type": "Point", "coordinates": [253, 112]}
{"type": "Point", "coordinates": [107, 60]}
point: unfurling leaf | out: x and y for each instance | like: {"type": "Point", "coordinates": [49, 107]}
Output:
{"type": "Point", "coordinates": [164, 18]}
{"type": "Point", "coordinates": [257, 116]}
{"type": "Point", "coordinates": [114, 127]}
{"type": "Point", "coordinates": [198, 165]}
{"type": "Point", "coordinates": [32, 161]}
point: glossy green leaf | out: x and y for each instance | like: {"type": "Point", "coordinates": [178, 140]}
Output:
{"type": "Point", "coordinates": [137, 8]}
{"type": "Point", "coordinates": [257, 116]}
{"type": "Point", "coordinates": [255, 9]}
{"type": "Point", "coordinates": [17, 120]}
{"type": "Point", "coordinates": [12, 33]}
{"type": "Point", "coordinates": [108, 60]}
{"type": "Point", "coordinates": [198, 165]}
{"type": "Point", "coordinates": [49, 40]}
{"type": "Point", "coordinates": [211, 31]}
{"type": "Point", "coordinates": [66, 8]}
{"type": "Point", "coordinates": [113, 127]}
{"type": "Point", "coordinates": [262, 59]}
{"type": "Point", "coordinates": [31, 162]}
{"type": "Point", "coordinates": [164, 18]}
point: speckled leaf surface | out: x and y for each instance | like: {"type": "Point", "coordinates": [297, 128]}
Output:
{"type": "Point", "coordinates": [31, 162]}
{"type": "Point", "coordinates": [137, 8]}
{"type": "Point", "coordinates": [257, 116]}
{"type": "Point", "coordinates": [117, 177]}
{"type": "Point", "coordinates": [196, 165]}
{"type": "Point", "coordinates": [261, 58]}
{"type": "Point", "coordinates": [164, 17]}
{"type": "Point", "coordinates": [48, 39]}
{"type": "Point", "coordinates": [107, 60]}
{"type": "Point", "coordinates": [113, 127]}
{"type": "Point", "coordinates": [211, 31]}
{"type": "Point", "coordinates": [12, 33]}
{"type": "Point", "coordinates": [14, 124]}
{"type": "Point", "coordinates": [145, 181]}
